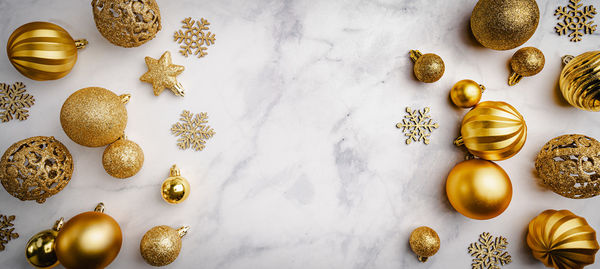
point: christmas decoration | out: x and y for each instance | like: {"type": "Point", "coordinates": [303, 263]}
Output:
{"type": "Point", "coordinates": [466, 93]}
{"type": "Point", "coordinates": [489, 252]}
{"type": "Point", "coordinates": [493, 130]}
{"type": "Point", "coordinates": [43, 50]}
{"type": "Point", "coordinates": [36, 168]}
{"type": "Point", "coordinates": [39, 251]}
{"type": "Point", "coordinates": [424, 242]}
{"type": "Point", "coordinates": [580, 80]}
{"type": "Point", "coordinates": [194, 37]}
{"type": "Point", "coordinates": [192, 130]}
{"type": "Point", "coordinates": [160, 245]}
{"type": "Point", "coordinates": [417, 125]}
{"type": "Point", "coordinates": [479, 189]}
{"type": "Point", "coordinates": [504, 24]}
{"type": "Point", "coordinates": [525, 62]}
{"type": "Point", "coordinates": [123, 158]}
{"type": "Point", "coordinates": [562, 240]}
{"type": "Point", "coordinates": [7, 230]}
{"type": "Point", "coordinates": [428, 67]}
{"type": "Point", "coordinates": [89, 240]}
{"type": "Point", "coordinates": [570, 166]}
{"type": "Point", "coordinates": [162, 74]}
{"type": "Point", "coordinates": [14, 102]}
{"type": "Point", "coordinates": [175, 189]}
{"type": "Point", "coordinates": [575, 20]}
{"type": "Point", "coordinates": [127, 23]}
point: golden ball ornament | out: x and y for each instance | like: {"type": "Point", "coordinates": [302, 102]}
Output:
{"type": "Point", "coordinates": [561, 239]}
{"type": "Point", "coordinates": [504, 24]}
{"type": "Point", "coordinates": [127, 23]}
{"type": "Point", "coordinates": [580, 81]}
{"type": "Point", "coordinates": [36, 168]}
{"type": "Point", "coordinates": [123, 158]}
{"type": "Point", "coordinates": [43, 50]}
{"type": "Point", "coordinates": [175, 189]}
{"type": "Point", "coordinates": [94, 116]}
{"type": "Point", "coordinates": [424, 242]}
{"type": "Point", "coordinates": [39, 250]}
{"type": "Point", "coordinates": [428, 67]}
{"type": "Point", "coordinates": [479, 189]}
{"type": "Point", "coordinates": [525, 62]}
{"type": "Point", "coordinates": [466, 93]}
{"type": "Point", "coordinates": [493, 130]}
{"type": "Point", "coordinates": [161, 245]}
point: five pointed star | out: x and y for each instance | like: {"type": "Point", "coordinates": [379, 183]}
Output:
{"type": "Point", "coordinates": [162, 74]}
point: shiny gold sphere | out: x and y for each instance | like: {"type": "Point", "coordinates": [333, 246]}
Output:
{"type": "Point", "coordinates": [123, 158]}
{"type": "Point", "coordinates": [424, 242]}
{"type": "Point", "coordinates": [94, 117]}
{"type": "Point", "coordinates": [429, 68]}
{"type": "Point", "coordinates": [479, 189]}
{"type": "Point", "coordinates": [161, 245]}
{"type": "Point", "coordinates": [504, 24]}
{"type": "Point", "coordinates": [580, 81]}
{"type": "Point", "coordinates": [527, 61]}
{"type": "Point", "coordinates": [175, 189]}
{"type": "Point", "coordinates": [39, 250]}
{"type": "Point", "coordinates": [466, 93]}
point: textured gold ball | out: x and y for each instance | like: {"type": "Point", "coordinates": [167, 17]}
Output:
{"type": "Point", "coordinates": [127, 23]}
{"type": "Point", "coordinates": [123, 158]}
{"type": "Point", "coordinates": [429, 68]}
{"type": "Point", "coordinates": [39, 250]}
{"type": "Point", "coordinates": [93, 117]}
{"type": "Point", "coordinates": [466, 93]}
{"type": "Point", "coordinates": [424, 242]}
{"type": "Point", "coordinates": [504, 24]}
{"type": "Point", "coordinates": [580, 81]}
{"type": "Point", "coordinates": [175, 189]}
{"type": "Point", "coordinates": [161, 245]}
{"type": "Point", "coordinates": [527, 61]}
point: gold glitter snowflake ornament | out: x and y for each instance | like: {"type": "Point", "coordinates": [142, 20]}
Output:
{"type": "Point", "coordinates": [417, 125]}
{"type": "Point", "coordinates": [7, 230]}
{"type": "Point", "coordinates": [489, 252]}
{"type": "Point", "coordinates": [578, 21]}
{"type": "Point", "coordinates": [14, 102]}
{"type": "Point", "coordinates": [192, 130]}
{"type": "Point", "coordinates": [193, 39]}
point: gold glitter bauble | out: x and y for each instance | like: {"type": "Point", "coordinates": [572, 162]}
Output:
{"type": "Point", "coordinates": [466, 93]}
{"type": "Point", "coordinates": [123, 158]}
{"type": "Point", "coordinates": [161, 245]}
{"type": "Point", "coordinates": [580, 81]}
{"type": "Point", "coordinates": [36, 168]}
{"type": "Point", "coordinates": [175, 189]}
{"type": "Point", "coordinates": [40, 251]}
{"type": "Point", "coordinates": [94, 116]}
{"type": "Point", "coordinates": [525, 62]}
{"type": "Point", "coordinates": [504, 24]}
{"type": "Point", "coordinates": [570, 166]}
{"type": "Point", "coordinates": [127, 23]}
{"type": "Point", "coordinates": [428, 67]}
{"type": "Point", "coordinates": [424, 242]}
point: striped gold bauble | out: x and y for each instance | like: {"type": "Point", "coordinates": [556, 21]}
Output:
{"type": "Point", "coordinates": [43, 50]}
{"type": "Point", "coordinates": [580, 80]}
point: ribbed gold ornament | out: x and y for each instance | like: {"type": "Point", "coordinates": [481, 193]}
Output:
{"type": "Point", "coordinates": [580, 81]}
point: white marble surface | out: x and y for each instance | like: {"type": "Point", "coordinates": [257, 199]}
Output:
{"type": "Point", "coordinates": [307, 169]}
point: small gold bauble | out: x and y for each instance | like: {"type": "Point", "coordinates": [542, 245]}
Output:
{"type": "Point", "coordinates": [504, 24]}
{"type": "Point", "coordinates": [161, 245]}
{"type": "Point", "coordinates": [123, 158]}
{"type": "Point", "coordinates": [466, 93]}
{"type": "Point", "coordinates": [94, 116]}
{"type": "Point", "coordinates": [175, 189]}
{"type": "Point", "coordinates": [580, 81]}
{"type": "Point", "coordinates": [127, 23]}
{"type": "Point", "coordinates": [525, 62]}
{"type": "Point", "coordinates": [39, 250]}
{"type": "Point", "coordinates": [479, 189]}
{"type": "Point", "coordinates": [424, 242]}
{"type": "Point", "coordinates": [428, 67]}
{"type": "Point", "coordinates": [36, 168]}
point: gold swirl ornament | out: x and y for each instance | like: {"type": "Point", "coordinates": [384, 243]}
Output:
{"type": "Point", "coordinates": [580, 80]}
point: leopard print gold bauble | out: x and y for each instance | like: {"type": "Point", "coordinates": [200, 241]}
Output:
{"type": "Point", "coordinates": [127, 23]}
{"type": "Point", "coordinates": [36, 168]}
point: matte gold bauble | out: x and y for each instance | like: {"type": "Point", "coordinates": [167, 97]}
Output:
{"type": "Point", "coordinates": [123, 158]}
{"type": "Point", "coordinates": [466, 93]}
{"type": "Point", "coordinates": [479, 189]}
{"type": "Point", "coordinates": [161, 245]}
{"type": "Point", "coordinates": [175, 189]}
{"type": "Point", "coordinates": [562, 240]}
{"type": "Point", "coordinates": [89, 240]}
{"type": "Point", "coordinates": [580, 81]}
{"type": "Point", "coordinates": [94, 116]}
{"type": "Point", "coordinates": [36, 168]}
{"type": "Point", "coordinates": [428, 67]}
{"type": "Point", "coordinates": [43, 50]}
{"type": "Point", "coordinates": [127, 23]}
{"type": "Point", "coordinates": [39, 250]}
{"type": "Point", "coordinates": [504, 24]}
{"type": "Point", "coordinates": [525, 62]}
{"type": "Point", "coordinates": [424, 242]}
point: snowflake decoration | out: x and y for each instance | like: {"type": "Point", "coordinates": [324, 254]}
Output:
{"type": "Point", "coordinates": [7, 230]}
{"type": "Point", "coordinates": [417, 125]}
{"type": "Point", "coordinates": [14, 102]}
{"type": "Point", "coordinates": [192, 131]}
{"type": "Point", "coordinates": [194, 37]}
{"type": "Point", "coordinates": [575, 20]}
{"type": "Point", "coordinates": [489, 252]}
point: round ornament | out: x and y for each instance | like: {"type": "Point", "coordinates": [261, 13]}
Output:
{"type": "Point", "coordinates": [175, 189]}
{"type": "Point", "coordinates": [428, 67]}
{"type": "Point", "coordinates": [123, 158]}
{"type": "Point", "coordinates": [525, 62]}
{"type": "Point", "coordinates": [504, 24]}
{"type": "Point", "coordinates": [466, 93]}
{"type": "Point", "coordinates": [36, 168]}
{"type": "Point", "coordinates": [161, 245]}
{"type": "Point", "coordinates": [127, 23]}
{"type": "Point", "coordinates": [493, 130]}
{"type": "Point", "coordinates": [424, 242]}
{"type": "Point", "coordinates": [561, 239]}
{"type": "Point", "coordinates": [39, 250]}
{"type": "Point", "coordinates": [580, 81]}
{"type": "Point", "coordinates": [479, 189]}
{"type": "Point", "coordinates": [43, 50]}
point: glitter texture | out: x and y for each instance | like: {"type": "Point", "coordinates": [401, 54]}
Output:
{"type": "Point", "coordinates": [575, 20]}
{"type": "Point", "coordinates": [417, 125]}
{"type": "Point", "coordinates": [194, 37]}
{"type": "Point", "coordinates": [161, 245]}
{"type": "Point", "coordinates": [424, 242]}
{"type": "Point", "coordinates": [14, 102]}
{"type": "Point", "coordinates": [428, 67]}
{"type": "Point", "coordinates": [162, 73]}
{"type": "Point", "coordinates": [127, 23]}
{"type": "Point", "coordinates": [489, 252]}
{"type": "Point", "coordinates": [192, 131]}
{"type": "Point", "coordinates": [123, 158]}
{"type": "Point", "coordinates": [7, 230]}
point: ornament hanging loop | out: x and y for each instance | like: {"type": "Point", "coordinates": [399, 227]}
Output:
{"type": "Point", "coordinates": [414, 55]}
{"type": "Point", "coordinates": [179, 90]}
{"type": "Point", "coordinates": [514, 79]}
{"type": "Point", "coordinates": [567, 58]}
{"type": "Point", "coordinates": [459, 141]}
{"type": "Point", "coordinates": [99, 208]}
{"type": "Point", "coordinates": [174, 172]}
{"type": "Point", "coordinates": [125, 98]}
{"type": "Point", "coordinates": [81, 43]}
{"type": "Point", "coordinates": [422, 259]}
{"type": "Point", "coordinates": [183, 231]}
{"type": "Point", "coordinates": [59, 224]}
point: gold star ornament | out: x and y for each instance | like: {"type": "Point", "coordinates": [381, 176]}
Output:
{"type": "Point", "coordinates": [162, 74]}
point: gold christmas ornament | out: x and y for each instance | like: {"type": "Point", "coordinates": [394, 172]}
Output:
{"type": "Point", "coordinates": [525, 62]}
{"type": "Point", "coordinates": [43, 50]}
{"type": "Point", "coordinates": [493, 130]}
{"type": "Point", "coordinates": [127, 23]}
{"type": "Point", "coordinates": [489, 252]}
{"type": "Point", "coordinates": [14, 102]}
{"type": "Point", "coordinates": [428, 67]}
{"type": "Point", "coordinates": [160, 245]}
{"type": "Point", "coordinates": [36, 168]}
{"type": "Point", "coordinates": [89, 240]}
{"type": "Point", "coordinates": [562, 240]}
{"type": "Point", "coordinates": [175, 189]}
{"type": "Point", "coordinates": [193, 131]}
{"type": "Point", "coordinates": [466, 93]}
{"type": "Point", "coordinates": [580, 80]}
{"type": "Point", "coordinates": [94, 116]}
{"type": "Point", "coordinates": [570, 166]}
{"type": "Point", "coordinates": [123, 158]}
{"type": "Point", "coordinates": [162, 73]}
{"type": "Point", "coordinates": [40, 251]}
{"type": "Point", "coordinates": [504, 24]}
{"type": "Point", "coordinates": [417, 125]}
{"type": "Point", "coordinates": [479, 189]}
{"type": "Point", "coordinates": [7, 230]}
{"type": "Point", "coordinates": [424, 242]}
{"type": "Point", "coordinates": [194, 37]}
{"type": "Point", "coordinates": [578, 21]}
